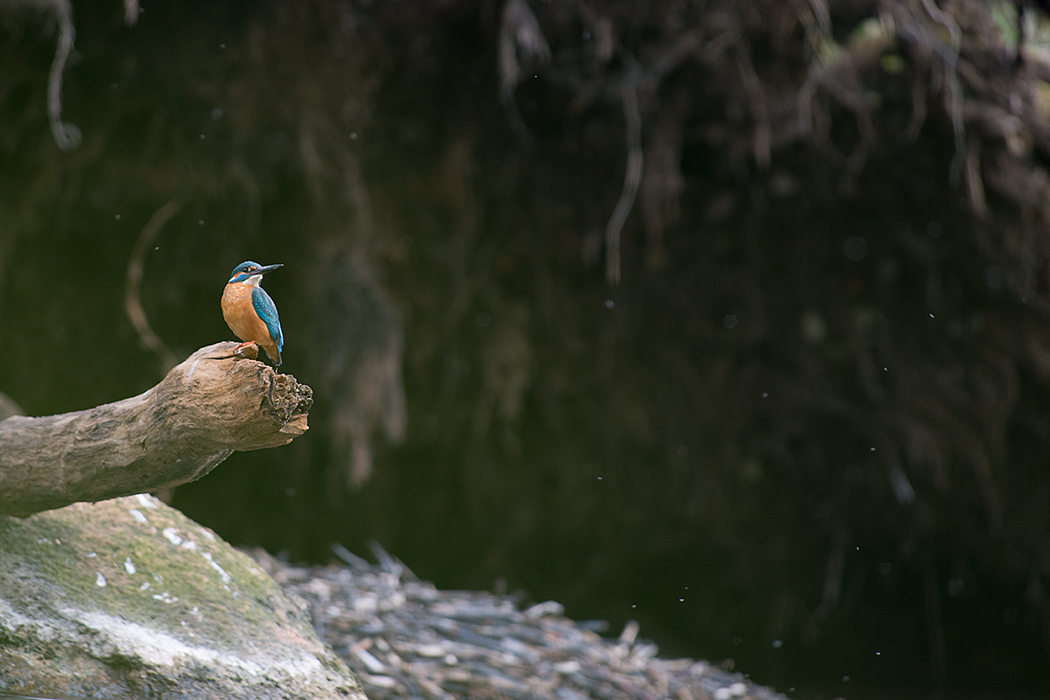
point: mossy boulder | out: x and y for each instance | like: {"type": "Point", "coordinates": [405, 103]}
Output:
{"type": "Point", "coordinates": [128, 598]}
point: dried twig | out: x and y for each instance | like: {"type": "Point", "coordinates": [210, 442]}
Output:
{"type": "Point", "coordinates": [133, 284]}
{"type": "Point", "coordinates": [632, 175]}
{"type": "Point", "coordinates": [521, 45]}
{"type": "Point", "coordinates": [67, 136]}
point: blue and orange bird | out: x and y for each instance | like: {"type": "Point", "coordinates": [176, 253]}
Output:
{"type": "Point", "coordinates": [250, 312]}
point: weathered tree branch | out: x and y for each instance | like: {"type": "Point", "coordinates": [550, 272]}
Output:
{"type": "Point", "coordinates": [203, 410]}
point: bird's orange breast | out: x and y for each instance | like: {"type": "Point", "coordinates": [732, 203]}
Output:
{"type": "Point", "coordinates": [240, 315]}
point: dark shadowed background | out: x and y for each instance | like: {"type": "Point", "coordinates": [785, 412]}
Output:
{"type": "Point", "coordinates": [732, 318]}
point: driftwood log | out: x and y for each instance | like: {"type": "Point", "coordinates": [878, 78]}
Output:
{"type": "Point", "coordinates": [203, 410]}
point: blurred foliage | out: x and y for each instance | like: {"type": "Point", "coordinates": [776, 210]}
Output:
{"type": "Point", "coordinates": [814, 409]}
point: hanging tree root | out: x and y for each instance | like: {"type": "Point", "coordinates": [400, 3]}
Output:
{"type": "Point", "coordinates": [204, 409]}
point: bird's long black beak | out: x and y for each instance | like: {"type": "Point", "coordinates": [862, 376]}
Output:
{"type": "Point", "coordinates": [266, 268]}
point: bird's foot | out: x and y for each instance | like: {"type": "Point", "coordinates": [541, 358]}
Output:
{"type": "Point", "coordinates": [247, 349]}
{"type": "Point", "coordinates": [244, 351]}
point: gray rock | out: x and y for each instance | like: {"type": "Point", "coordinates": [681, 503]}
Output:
{"type": "Point", "coordinates": [129, 598]}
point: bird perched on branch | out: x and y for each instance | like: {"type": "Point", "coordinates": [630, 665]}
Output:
{"type": "Point", "coordinates": [250, 312]}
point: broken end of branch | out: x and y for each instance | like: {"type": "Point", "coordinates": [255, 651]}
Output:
{"type": "Point", "coordinates": [247, 400]}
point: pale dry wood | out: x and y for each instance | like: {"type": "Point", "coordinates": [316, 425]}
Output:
{"type": "Point", "coordinates": [203, 410]}
{"type": "Point", "coordinates": [405, 638]}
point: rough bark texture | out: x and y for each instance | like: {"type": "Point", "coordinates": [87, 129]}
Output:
{"type": "Point", "coordinates": [203, 410]}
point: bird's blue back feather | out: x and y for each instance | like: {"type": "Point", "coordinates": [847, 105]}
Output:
{"type": "Point", "coordinates": [267, 311]}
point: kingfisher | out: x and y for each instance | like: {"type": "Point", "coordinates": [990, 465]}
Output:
{"type": "Point", "coordinates": [250, 312]}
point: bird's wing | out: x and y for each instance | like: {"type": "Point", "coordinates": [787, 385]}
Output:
{"type": "Point", "coordinates": [267, 311]}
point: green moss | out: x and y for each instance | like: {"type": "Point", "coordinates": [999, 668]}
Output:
{"type": "Point", "coordinates": [129, 599]}
{"type": "Point", "coordinates": [166, 571]}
